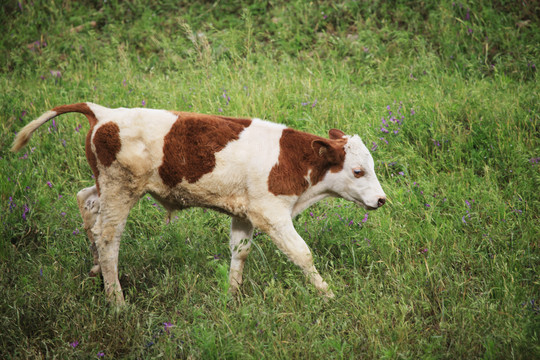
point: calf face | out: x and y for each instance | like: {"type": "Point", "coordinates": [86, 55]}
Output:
{"type": "Point", "coordinates": [357, 181]}
{"type": "Point", "coordinates": [260, 173]}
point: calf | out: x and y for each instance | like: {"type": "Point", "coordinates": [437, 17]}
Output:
{"type": "Point", "coordinates": [260, 173]}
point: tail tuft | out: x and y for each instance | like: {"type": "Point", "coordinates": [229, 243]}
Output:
{"type": "Point", "coordinates": [26, 132]}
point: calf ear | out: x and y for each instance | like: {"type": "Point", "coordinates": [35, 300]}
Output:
{"type": "Point", "coordinates": [335, 134]}
{"type": "Point", "coordinates": [327, 150]}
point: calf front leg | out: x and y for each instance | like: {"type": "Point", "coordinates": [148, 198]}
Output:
{"type": "Point", "coordinates": [88, 201]}
{"type": "Point", "coordinates": [286, 238]}
{"type": "Point", "coordinates": [240, 245]}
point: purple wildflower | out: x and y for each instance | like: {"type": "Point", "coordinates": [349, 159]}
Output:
{"type": "Point", "coordinates": [365, 219]}
{"type": "Point", "coordinates": [374, 147]}
{"type": "Point", "coordinates": [401, 173]}
{"type": "Point", "coordinates": [74, 344]}
{"type": "Point", "coordinates": [143, 103]}
{"type": "Point", "coordinates": [49, 184]}
{"type": "Point", "coordinates": [56, 73]}
{"type": "Point", "coordinates": [41, 272]}
{"type": "Point", "coordinates": [427, 205]}
{"type": "Point", "coordinates": [384, 130]}
{"type": "Point", "coordinates": [167, 326]}
{"type": "Point", "coordinates": [76, 231]}
{"type": "Point", "coordinates": [101, 354]}
{"type": "Point", "coordinates": [25, 211]}
{"type": "Point", "coordinates": [124, 82]}
{"type": "Point", "coordinates": [314, 103]}
{"type": "Point", "coordinates": [383, 139]}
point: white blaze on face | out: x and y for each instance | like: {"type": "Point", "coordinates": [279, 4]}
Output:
{"type": "Point", "coordinates": [357, 181]}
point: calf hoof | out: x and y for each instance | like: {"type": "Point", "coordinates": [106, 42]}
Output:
{"type": "Point", "coordinates": [327, 295]}
{"type": "Point", "coordinates": [117, 299]}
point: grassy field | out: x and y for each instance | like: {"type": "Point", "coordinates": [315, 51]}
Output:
{"type": "Point", "coordinates": [445, 94]}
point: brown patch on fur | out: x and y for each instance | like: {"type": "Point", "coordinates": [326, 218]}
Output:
{"type": "Point", "coordinates": [183, 115]}
{"type": "Point", "coordinates": [84, 109]}
{"type": "Point", "coordinates": [299, 153]}
{"type": "Point", "coordinates": [190, 145]}
{"type": "Point", "coordinates": [91, 158]}
{"type": "Point", "coordinates": [107, 143]}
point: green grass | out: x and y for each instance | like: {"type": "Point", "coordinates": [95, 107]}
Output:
{"type": "Point", "coordinates": [447, 269]}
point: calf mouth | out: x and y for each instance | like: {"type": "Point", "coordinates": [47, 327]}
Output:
{"type": "Point", "coordinates": [365, 206]}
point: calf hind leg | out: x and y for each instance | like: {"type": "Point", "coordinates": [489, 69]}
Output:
{"type": "Point", "coordinates": [240, 244]}
{"type": "Point", "coordinates": [88, 201]}
{"type": "Point", "coordinates": [115, 207]}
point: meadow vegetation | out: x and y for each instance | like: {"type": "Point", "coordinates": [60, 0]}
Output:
{"type": "Point", "coordinates": [446, 96]}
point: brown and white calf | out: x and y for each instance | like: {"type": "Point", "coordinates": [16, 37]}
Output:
{"type": "Point", "coordinates": [260, 173]}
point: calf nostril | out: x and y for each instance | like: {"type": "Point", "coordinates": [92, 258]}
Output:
{"type": "Point", "coordinates": [381, 202]}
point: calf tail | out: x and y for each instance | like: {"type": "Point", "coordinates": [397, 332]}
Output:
{"type": "Point", "coordinates": [26, 132]}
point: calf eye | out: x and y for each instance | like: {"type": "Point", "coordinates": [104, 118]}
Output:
{"type": "Point", "coordinates": [358, 172]}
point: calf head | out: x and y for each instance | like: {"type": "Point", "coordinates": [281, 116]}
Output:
{"type": "Point", "coordinates": [356, 180]}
